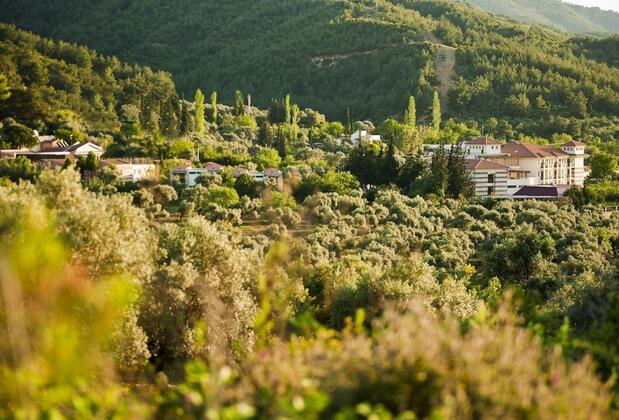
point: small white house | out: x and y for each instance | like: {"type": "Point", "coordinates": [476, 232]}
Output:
{"type": "Point", "coordinates": [130, 171]}
{"type": "Point", "coordinates": [363, 136]}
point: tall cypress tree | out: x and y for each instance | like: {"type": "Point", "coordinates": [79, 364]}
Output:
{"type": "Point", "coordinates": [410, 115]}
{"type": "Point", "coordinates": [440, 172]}
{"type": "Point", "coordinates": [183, 127]}
{"type": "Point", "coordinates": [199, 112]}
{"type": "Point", "coordinates": [436, 111]}
{"type": "Point", "coordinates": [348, 122]}
{"type": "Point", "coordinates": [239, 103]}
{"type": "Point", "coordinates": [214, 107]}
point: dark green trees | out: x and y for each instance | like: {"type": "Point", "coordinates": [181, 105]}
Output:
{"type": "Point", "coordinates": [5, 91]}
{"type": "Point", "coordinates": [17, 136]}
{"type": "Point", "coordinates": [459, 182]}
{"type": "Point", "coordinates": [603, 165]}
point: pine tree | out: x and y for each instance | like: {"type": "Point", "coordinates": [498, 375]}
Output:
{"type": "Point", "coordinates": [390, 166]}
{"type": "Point", "coordinates": [412, 169]}
{"type": "Point", "coordinates": [239, 103]}
{"type": "Point", "coordinates": [459, 182]}
{"type": "Point", "coordinates": [214, 108]}
{"type": "Point", "coordinates": [436, 111]}
{"type": "Point", "coordinates": [410, 115]}
{"type": "Point", "coordinates": [5, 91]}
{"type": "Point", "coordinates": [199, 112]}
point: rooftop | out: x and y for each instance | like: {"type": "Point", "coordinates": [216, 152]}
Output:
{"type": "Point", "coordinates": [483, 140]}
{"type": "Point", "coordinates": [573, 143]}
{"type": "Point", "coordinates": [523, 150]}
{"type": "Point", "coordinates": [540, 191]}
{"type": "Point", "coordinates": [481, 164]}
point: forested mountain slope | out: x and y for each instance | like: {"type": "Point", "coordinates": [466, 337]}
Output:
{"type": "Point", "coordinates": [556, 13]}
{"type": "Point", "coordinates": [49, 78]}
{"type": "Point", "coordinates": [368, 56]}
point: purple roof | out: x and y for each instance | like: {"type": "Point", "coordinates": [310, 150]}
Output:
{"type": "Point", "coordinates": [539, 191]}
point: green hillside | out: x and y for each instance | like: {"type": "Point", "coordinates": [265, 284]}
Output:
{"type": "Point", "coordinates": [368, 56]}
{"type": "Point", "coordinates": [562, 16]}
{"type": "Point", "coordinates": [56, 81]}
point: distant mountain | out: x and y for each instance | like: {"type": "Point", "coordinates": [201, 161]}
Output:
{"type": "Point", "coordinates": [334, 55]}
{"type": "Point", "coordinates": [556, 13]}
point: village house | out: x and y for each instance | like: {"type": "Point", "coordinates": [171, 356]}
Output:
{"type": "Point", "coordinates": [362, 136]}
{"type": "Point", "coordinates": [189, 175]}
{"type": "Point", "coordinates": [130, 170]}
{"type": "Point", "coordinates": [50, 147]}
{"type": "Point", "coordinates": [528, 165]}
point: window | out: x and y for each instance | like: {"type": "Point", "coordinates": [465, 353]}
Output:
{"type": "Point", "coordinates": [490, 190]}
{"type": "Point", "coordinates": [491, 178]}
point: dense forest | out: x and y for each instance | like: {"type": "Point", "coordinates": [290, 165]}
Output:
{"type": "Point", "coordinates": [367, 57]}
{"type": "Point", "coordinates": [48, 78]}
{"type": "Point", "coordinates": [556, 13]}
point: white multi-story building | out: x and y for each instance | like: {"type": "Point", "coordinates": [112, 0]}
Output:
{"type": "Point", "coordinates": [490, 178]}
{"type": "Point", "coordinates": [530, 164]}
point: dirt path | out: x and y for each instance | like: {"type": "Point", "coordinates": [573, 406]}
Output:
{"type": "Point", "coordinates": [445, 66]}
{"type": "Point", "coordinates": [445, 63]}
{"type": "Point", "coordinates": [330, 60]}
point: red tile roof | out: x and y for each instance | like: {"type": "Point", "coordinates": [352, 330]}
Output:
{"type": "Point", "coordinates": [523, 150]}
{"type": "Point", "coordinates": [481, 164]}
{"type": "Point", "coordinates": [212, 165]}
{"type": "Point", "coordinates": [483, 140]}
{"type": "Point", "coordinates": [573, 143]}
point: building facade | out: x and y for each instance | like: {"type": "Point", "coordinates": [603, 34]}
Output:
{"type": "Point", "coordinates": [529, 164]}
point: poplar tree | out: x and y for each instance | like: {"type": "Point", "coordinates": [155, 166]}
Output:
{"type": "Point", "coordinates": [410, 115]}
{"type": "Point", "coordinates": [348, 122]}
{"type": "Point", "coordinates": [199, 112]}
{"type": "Point", "coordinates": [214, 107]}
{"type": "Point", "coordinates": [287, 110]}
{"type": "Point", "coordinates": [436, 111]}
